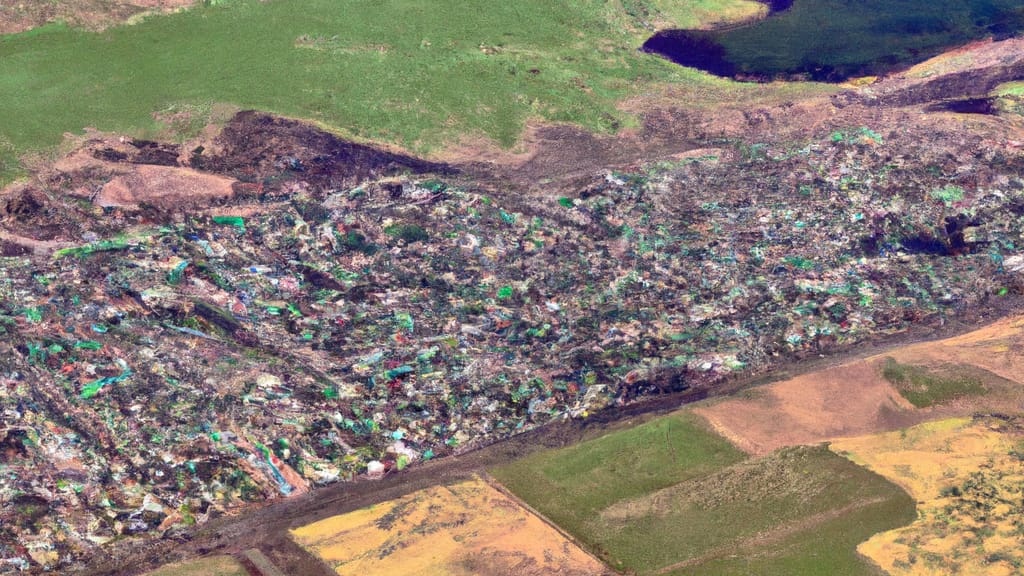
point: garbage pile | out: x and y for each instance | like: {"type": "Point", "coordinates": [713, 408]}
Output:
{"type": "Point", "coordinates": [169, 366]}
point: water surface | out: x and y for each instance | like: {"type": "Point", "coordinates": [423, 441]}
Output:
{"type": "Point", "coordinates": [832, 40]}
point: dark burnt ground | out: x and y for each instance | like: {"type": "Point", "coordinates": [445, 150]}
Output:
{"type": "Point", "coordinates": [266, 527]}
{"type": "Point", "coordinates": [269, 151]}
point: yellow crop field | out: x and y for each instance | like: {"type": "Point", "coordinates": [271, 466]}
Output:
{"type": "Point", "coordinates": [462, 529]}
{"type": "Point", "coordinates": [967, 476]}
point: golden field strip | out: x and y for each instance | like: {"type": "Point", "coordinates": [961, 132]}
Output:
{"type": "Point", "coordinates": [465, 528]}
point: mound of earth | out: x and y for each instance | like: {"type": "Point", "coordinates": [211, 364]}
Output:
{"type": "Point", "coordinates": [163, 187]}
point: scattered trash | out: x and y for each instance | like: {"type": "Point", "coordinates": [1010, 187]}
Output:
{"type": "Point", "coordinates": [338, 328]}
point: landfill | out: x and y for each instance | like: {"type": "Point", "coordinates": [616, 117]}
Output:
{"type": "Point", "coordinates": [326, 311]}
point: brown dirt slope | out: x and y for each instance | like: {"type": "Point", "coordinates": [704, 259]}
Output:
{"type": "Point", "coordinates": [855, 399]}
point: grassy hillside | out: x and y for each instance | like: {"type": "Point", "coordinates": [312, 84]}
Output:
{"type": "Point", "coordinates": [402, 71]}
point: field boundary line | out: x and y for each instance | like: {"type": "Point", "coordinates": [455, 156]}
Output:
{"type": "Point", "coordinates": [770, 536]}
{"type": "Point", "coordinates": [494, 483]}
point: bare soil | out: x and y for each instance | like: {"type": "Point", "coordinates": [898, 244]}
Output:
{"type": "Point", "coordinates": [845, 401]}
{"type": "Point", "coordinates": [467, 527]}
{"type": "Point", "coordinates": [91, 14]}
{"type": "Point", "coordinates": [855, 399]}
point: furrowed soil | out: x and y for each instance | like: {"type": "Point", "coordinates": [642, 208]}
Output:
{"type": "Point", "coordinates": [211, 566]}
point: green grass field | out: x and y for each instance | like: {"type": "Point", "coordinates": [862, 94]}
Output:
{"type": "Point", "coordinates": [925, 387]}
{"type": "Point", "coordinates": [400, 71]}
{"type": "Point", "coordinates": [670, 497]}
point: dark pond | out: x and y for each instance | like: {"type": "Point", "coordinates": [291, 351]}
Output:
{"type": "Point", "coordinates": [832, 40]}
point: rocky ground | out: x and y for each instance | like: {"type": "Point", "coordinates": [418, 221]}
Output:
{"type": "Point", "coordinates": [190, 329]}
{"type": "Point", "coordinates": [91, 14]}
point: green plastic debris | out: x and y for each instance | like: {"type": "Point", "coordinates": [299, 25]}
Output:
{"type": "Point", "coordinates": [428, 354]}
{"type": "Point", "coordinates": [33, 314]}
{"type": "Point", "coordinates": [88, 345]}
{"type": "Point", "coordinates": [93, 388]}
{"type": "Point", "coordinates": [174, 276]}
{"type": "Point", "coordinates": [565, 202]}
{"type": "Point", "coordinates": [404, 320]}
{"type": "Point", "coordinates": [948, 194]}
{"type": "Point", "coordinates": [396, 372]}
{"type": "Point", "coordinates": [331, 393]}
{"type": "Point", "coordinates": [434, 185]}
{"type": "Point", "coordinates": [799, 262]}
{"type": "Point", "coordinates": [505, 292]}
{"type": "Point", "coordinates": [294, 309]}
{"type": "Point", "coordinates": [35, 352]}
{"type": "Point", "coordinates": [101, 246]}
{"type": "Point", "coordinates": [507, 218]}
{"type": "Point", "coordinates": [236, 221]}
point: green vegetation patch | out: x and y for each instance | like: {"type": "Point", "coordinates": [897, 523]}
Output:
{"type": "Point", "coordinates": [670, 497]}
{"type": "Point", "coordinates": [800, 510]}
{"type": "Point", "coordinates": [923, 386]}
{"type": "Point", "coordinates": [696, 13]}
{"type": "Point", "coordinates": [408, 232]}
{"type": "Point", "coordinates": [415, 73]}
{"type": "Point", "coordinates": [1009, 89]}
{"type": "Point", "coordinates": [572, 485]}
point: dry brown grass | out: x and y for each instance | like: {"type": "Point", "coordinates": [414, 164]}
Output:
{"type": "Point", "coordinates": [461, 529]}
{"type": "Point", "coordinates": [967, 478]}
